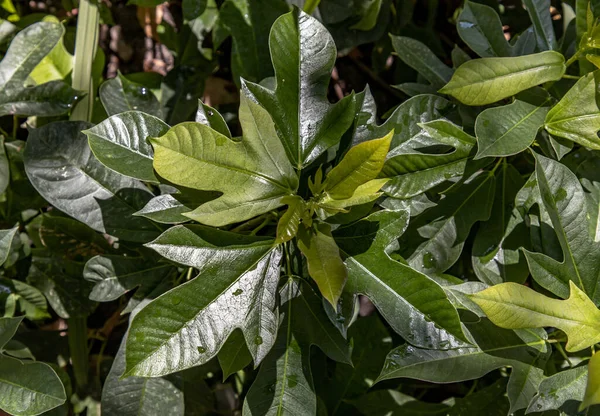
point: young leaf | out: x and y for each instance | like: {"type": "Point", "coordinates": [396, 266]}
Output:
{"type": "Point", "coordinates": [287, 228]}
{"type": "Point", "coordinates": [415, 306]}
{"type": "Point", "coordinates": [119, 142]}
{"type": "Point", "coordinates": [360, 165]}
{"type": "Point", "coordinates": [479, 26]}
{"type": "Point", "coordinates": [514, 306]}
{"type": "Point", "coordinates": [539, 12]}
{"type": "Point", "coordinates": [412, 171]}
{"type": "Point", "coordinates": [325, 265]}
{"type": "Point", "coordinates": [592, 389]}
{"type": "Point", "coordinates": [510, 129]}
{"type": "Point", "coordinates": [185, 327]}
{"type": "Point", "coordinates": [303, 55]}
{"type": "Point", "coordinates": [576, 117]}
{"type": "Point", "coordinates": [253, 174]}
{"type": "Point", "coordinates": [119, 95]}
{"type": "Point", "coordinates": [562, 391]}
{"type": "Point", "coordinates": [26, 51]}
{"type": "Point", "coordinates": [487, 80]}
{"type": "Point", "coordinates": [28, 388]}
{"type": "Point", "coordinates": [61, 167]}
{"type": "Point", "coordinates": [284, 383]}
{"type": "Point", "coordinates": [419, 57]}
{"type": "Point", "coordinates": [564, 201]}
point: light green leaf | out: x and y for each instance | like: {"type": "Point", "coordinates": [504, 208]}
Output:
{"type": "Point", "coordinates": [119, 94]}
{"type": "Point", "coordinates": [29, 299]}
{"type": "Point", "coordinates": [369, 18]}
{"type": "Point", "coordinates": [487, 80]}
{"type": "Point", "coordinates": [564, 200]}
{"type": "Point", "coordinates": [436, 238]}
{"type": "Point", "coordinates": [365, 193]}
{"type": "Point", "coordinates": [413, 171]}
{"type": "Point", "coordinates": [284, 384]}
{"type": "Point", "coordinates": [415, 306]}
{"type": "Point", "coordinates": [26, 51]}
{"type": "Point", "coordinates": [576, 117]}
{"type": "Point", "coordinates": [303, 53]}
{"type": "Point", "coordinates": [119, 142]}
{"type": "Point", "coordinates": [479, 26]}
{"type": "Point", "coordinates": [113, 275]}
{"type": "Point", "coordinates": [539, 12]}
{"type": "Point", "coordinates": [6, 239]}
{"type": "Point", "coordinates": [287, 227]}
{"type": "Point", "coordinates": [61, 167]}
{"type": "Point", "coordinates": [8, 328]}
{"type": "Point", "coordinates": [592, 389]}
{"type": "Point", "coordinates": [360, 165]}
{"type": "Point", "coordinates": [419, 57]}
{"type": "Point", "coordinates": [510, 129]}
{"type": "Point", "coordinates": [253, 173]}
{"type": "Point", "coordinates": [55, 66]}
{"type": "Point", "coordinates": [562, 391]}
{"type": "Point", "coordinates": [185, 327]}
{"type": "Point", "coordinates": [211, 117]}
{"type": "Point", "coordinates": [28, 388]}
{"type": "Point", "coordinates": [234, 355]}
{"type": "Point", "coordinates": [325, 265]}
{"type": "Point", "coordinates": [514, 306]}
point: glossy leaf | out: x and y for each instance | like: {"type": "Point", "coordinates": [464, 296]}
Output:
{"type": "Point", "coordinates": [479, 27]}
{"type": "Point", "coordinates": [539, 13]}
{"type": "Point", "coordinates": [119, 142]}
{"type": "Point", "coordinates": [211, 117]}
{"type": "Point", "coordinates": [287, 227]}
{"type": "Point", "coordinates": [514, 306]}
{"type": "Point", "coordinates": [360, 165]}
{"type": "Point", "coordinates": [62, 168]}
{"type": "Point", "coordinates": [510, 129]}
{"type": "Point", "coordinates": [6, 239]}
{"type": "Point", "coordinates": [119, 95]}
{"type": "Point", "coordinates": [576, 117]}
{"type": "Point", "coordinates": [487, 80]}
{"type": "Point", "coordinates": [195, 156]}
{"type": "Point", "coordinates": [323, 260]}
{"type": "Point", "coordinates": [8, 328]}
{"type": "Point", "coordinates": [415, 306]}
{"type": "Point", "coordinates": [592, 390]}
{"type": "Point", "coordinates": [237, 274]}
{"type": "Point", "coordinates": [562, 391]}
{"type": "Point", "coordinates": [284, 383]}
{"type": "Point", "coordinates": [413, 170]}
{"type": "Point", "coordinates": [28, 388]}
{"type": "Point", "coordinates": [419, 57]}
{"type": "Point", "coordinates": [169, 208]}
{"type": "Point", "coordinates": [303, 54]}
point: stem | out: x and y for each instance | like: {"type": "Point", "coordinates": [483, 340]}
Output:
{"type": "Point", "coordinates": [311, 5]}
{"type": "Point", "coordinates": [571, 77]}
{"type": "Point", "coordinates": [78, 347]}
{"type": "Point", "coordinates": [86, 43]}
{"type": "Point", "coordinates": [563, 353]}
{"type": "Point", "coordinates": [574, 58]}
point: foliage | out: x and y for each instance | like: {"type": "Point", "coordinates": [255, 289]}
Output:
{"type": "Point", "coordinates": [294, 247]}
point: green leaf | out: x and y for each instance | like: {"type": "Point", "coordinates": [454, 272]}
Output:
{"type": "Point", "coordinates": [325, 265]}
{"type": "Point", "coordinates": [30, 300]}
{"type": "Point", "coordinates": [119, 142]}
{"type": "Point", "coordinates": [392, 402]}
{"type": "Point", "coordinates": [360, 165]}
{"type": "Point", "coordinates": [55, 66]}
{"type": "Point", "coordinates": [234, 355]}
{"type": "Point", "coordinates": [539, 12]}
{"type": "Point", "coordinates": [364, 194]}
{"type": "Point", "coordinates": [576, 117]}
{"type": "Point", "coordinates": [114, 276]}
{"type": "Point", "coordinates": [479, 26]}
{"type": "Point", "coordinates": [495, 252]}
{"type": "Point", "coordinates": [419, 57]}
{"type": "Point", "coordinates": [64, 171]}
{"type": "Point", "coordinates": [193, 8]}
{"type": "Point", "coordinates": [8, 328]}
{"type": "Point", "coordinates": [415, 306]}
{"type": "Point", "coordinates": [6, 239]}
{"type": "Point", "coordinates": [592, 389]}
{"type": "Point", "coordinates": [562, 391]}
{"type": "Point", "coordinates": [4, 168]}
{"type": "Point", "coordinates": [369, 18]}
{"type": "Point", "coordinates": [495, 348]}
{"type": "Point", "coordinates": [212, 118]}
{"type": "Point", "coordinates": [26, 51]}
{"type": "Point", "coordinates": [413, 171]}
{"type": "Point", "coordinates": [487, 80]}
{"type": "Point", "coordinates": [563, 199]}
{"type": "Point", "coordinates": [510, 129]}
{"type": "Point", "coordinates": [514, 306]}
{"type": "Point", "coordinates": [436, 238]}
{"type": "Point", "coordinates": [303, 53]}
{"type": "Point", "coordinates": [253, 173]}
{"type": "Point", "coordinates": [287, 227]}
{"type": "Point", "coordinates": [249, 22]}
{"type": "Point", "coordinates": [169, 208]}
{"type": "Point", "coordinates": [284, 383]}
{"type": "Point", "coordinates": [490, 400]}
{"type": "Point", "coordinates": [119, 94]}
{"type": "Point", "coordinates": [28, 388]}
{"type": "Point", "coordinates": [524, 384]}
{"type": "Point", "coordinates": [184, 327]}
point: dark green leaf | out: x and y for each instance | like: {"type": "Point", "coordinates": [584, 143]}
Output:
{"type": "Point", "coordinates": [119, 94]}
{"type": "Point", "coordinates": [490, 401]}
{"type": "Point", "coordinates": [479, 27]}
{"type": "Point", "coordinates": [211, 117]}
{"type": "Point", "coordinates": [419, 57]}
{"type": "Point", "coordinates": [394, 403]}
{"type": "Point", "coordinates": [563, 391]}
{"type": "Point", "coordinates": [8, 328]}
{"type": "Point", "coordinates": [6, 241]}
{"type": "Point", "coordinates": [193, 8]}
{"type": "Point", "coordinates": [539, 12]}
{"type": "Point", "coordinates": [4, 167]}
{"type": "Point", "coordinates": [234, 355]}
